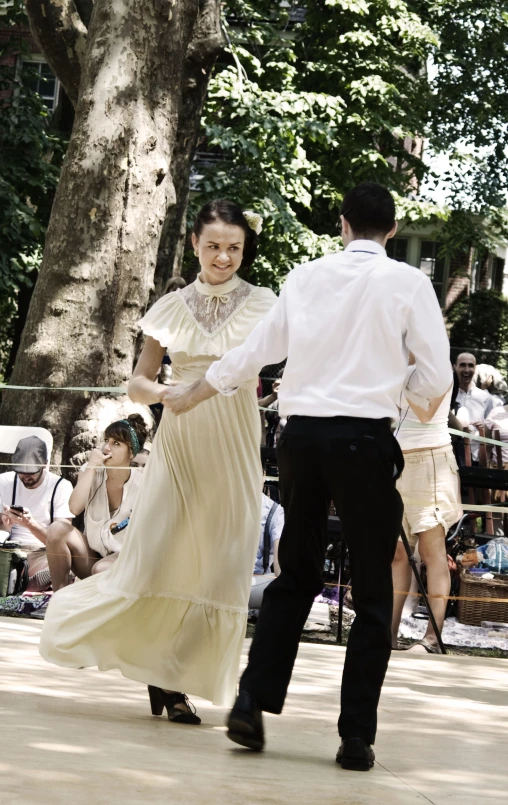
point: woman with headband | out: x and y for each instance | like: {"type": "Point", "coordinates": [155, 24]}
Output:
{"type": "Point", "coordinates": [105, 491]}
{"type": "Point", "coordinates": [172, 611]}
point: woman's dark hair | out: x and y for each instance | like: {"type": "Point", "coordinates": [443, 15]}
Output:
{"type": "Point", "coordinates": [456, 386]}
{"type": "Point", "coordinates": [229, 213]}
{"type": "Point", "coordinates": [121, 432]}
{"type": "Point", "coordinates": [174, 284]}
{"type": "Point", "coordinates": [369, 209]}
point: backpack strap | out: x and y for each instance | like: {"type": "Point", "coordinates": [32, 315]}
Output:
{"type": "Point", "coordinates": [22, 575]}
{"type": "Point", "coordinates": [13, 501]}
{"type": "Point", "coordinates": [52, 504]}
{"type": "Point", "coordinates": [267, 540]}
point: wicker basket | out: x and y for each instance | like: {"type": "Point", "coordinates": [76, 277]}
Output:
{"type": "Point", "coordinates": [474, 612]}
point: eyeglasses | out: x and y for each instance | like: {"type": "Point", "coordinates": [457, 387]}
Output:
{"type": "Point", "coordinates": [30, 474]}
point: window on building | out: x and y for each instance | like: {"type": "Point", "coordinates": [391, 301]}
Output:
{"type": "Point", "coordinates": [43, 82]}
{"type": "Point", "coordinates": [498, 274]}
{"type": "Point", "coordinates": [397, 248]}
{"type": "Point", "coordinates": [433, 266]}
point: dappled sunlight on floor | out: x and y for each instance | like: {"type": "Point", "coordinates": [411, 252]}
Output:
{"type": "Point", "coordinates": [88, 737]}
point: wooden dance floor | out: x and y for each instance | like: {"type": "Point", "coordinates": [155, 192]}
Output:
{"type": "Point", "coordinates": [75, 737]}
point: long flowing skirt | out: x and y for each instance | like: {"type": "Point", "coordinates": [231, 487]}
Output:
{"type": "Point", "coordinates": [172, 610]}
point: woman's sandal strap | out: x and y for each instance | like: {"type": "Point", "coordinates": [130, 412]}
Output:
{"type": "Point", "coordinates": [429, 648]}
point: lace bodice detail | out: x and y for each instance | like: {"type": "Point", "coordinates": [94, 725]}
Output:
{"type": "Point", "coordinates": [213, 305]}
{"type": "Point", "coordinates": [203, 322]}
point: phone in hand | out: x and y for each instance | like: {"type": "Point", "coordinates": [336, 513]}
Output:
{"type": "Point", "coordinates": [19, 510]}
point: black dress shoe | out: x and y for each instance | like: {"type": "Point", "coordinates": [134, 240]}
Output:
{"type": "Point", "coordinates": [245, 723]}
{"type": "Point", "coordinates": [355, 754]}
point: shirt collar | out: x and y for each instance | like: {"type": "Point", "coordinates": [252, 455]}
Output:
{"type": "Point", "coordinates": [472, 390]}
{"type": "Point", "coordinates": [371, 246]}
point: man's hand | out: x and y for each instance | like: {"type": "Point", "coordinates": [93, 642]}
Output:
{"type": "Point", "coordinates": [176, 396]}
{"type": "Point", "coordinates": [181, 398]}
{"type": "Point", "coordinates": [10, 518]}
{"type": "Point", "coordinates": [6, 520]}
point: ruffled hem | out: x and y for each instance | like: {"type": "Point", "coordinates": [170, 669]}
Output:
{"type": "Point", "coordinates": [176, 596]}
{"type": "Point", "coordinates": [168, 641]}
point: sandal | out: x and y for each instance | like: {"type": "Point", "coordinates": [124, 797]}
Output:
{"type": "Point", "coordinates": [159, 700]}
{"type": "Point", "coordinates": [429, 648]}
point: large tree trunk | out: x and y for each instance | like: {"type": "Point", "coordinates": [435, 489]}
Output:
{"type": "Point", "coordinates": [115, 189]}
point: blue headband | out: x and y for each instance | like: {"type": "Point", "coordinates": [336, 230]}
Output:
{"type": "Point", "coordinates": [134, 436]}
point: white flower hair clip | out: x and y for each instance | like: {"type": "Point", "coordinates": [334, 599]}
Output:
{"type": "Point", "coordinates": [254, 220]}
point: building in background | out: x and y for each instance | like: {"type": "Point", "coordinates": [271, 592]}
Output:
{"type": "Point", "coordinates": [451, 276]}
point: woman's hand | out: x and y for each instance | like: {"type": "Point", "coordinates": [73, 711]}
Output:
{"type": "Point", "coordinates": [97, 458]}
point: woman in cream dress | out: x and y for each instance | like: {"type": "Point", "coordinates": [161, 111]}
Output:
{"type": "Point", "coordinates": [172, 610]}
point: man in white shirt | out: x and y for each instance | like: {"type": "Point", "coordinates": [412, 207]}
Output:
{"type": "Point", "coordinates": [346, 323]}
{"type": "Point", "coordinates": [477, 402]}
{"type": "Point", "coordinates": [266, 566]}
{"type": "Point", "coordinates": [39, 497]}
{"type": "Point", "coordinates": [272, 523]}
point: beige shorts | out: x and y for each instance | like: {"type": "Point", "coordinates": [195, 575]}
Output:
{"type": "Point", "coordinates": [430, 490]}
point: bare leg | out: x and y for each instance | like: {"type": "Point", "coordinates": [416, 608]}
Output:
{"type": "Point", "coordinates": [67, 550]}
{"type": "Point", "coordinates": [401, 575]}
{"type": "Point", "coordinates": [104, 564]}
{"type": "Point", "coordinates": [432, 549]}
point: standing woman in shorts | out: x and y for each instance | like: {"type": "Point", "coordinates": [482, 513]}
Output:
{"type": "Point", "coordinates": [430, 490]}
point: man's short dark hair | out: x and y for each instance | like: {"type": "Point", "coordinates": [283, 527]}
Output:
{"type": "Point", "coordinates": [369, 209]}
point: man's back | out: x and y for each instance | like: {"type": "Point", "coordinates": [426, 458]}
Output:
{"type": "Point", "coordinates": [346, 324]}
{"type": "Point", "coordinates": [351, 318]}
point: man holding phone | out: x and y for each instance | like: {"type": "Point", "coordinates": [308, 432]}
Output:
{"type": "Point", "coordinates": [31, 498]}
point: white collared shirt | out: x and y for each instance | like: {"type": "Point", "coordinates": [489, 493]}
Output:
{"type": "Point", "coordinates": [346, 323]}
{"type": "Point", "coordinates": [478, 403]}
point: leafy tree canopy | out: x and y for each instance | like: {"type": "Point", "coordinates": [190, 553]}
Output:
{"type": "Point", "coordinates": [30, 157]}
{"type": "Point", "coordinates": [305, 105]}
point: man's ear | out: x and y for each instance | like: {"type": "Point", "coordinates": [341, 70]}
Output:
{"type": "Point", "coordinates": [393, 231]}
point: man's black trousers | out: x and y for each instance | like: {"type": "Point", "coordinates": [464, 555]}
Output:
{"type": "Point", "coordinates": [353, 462]}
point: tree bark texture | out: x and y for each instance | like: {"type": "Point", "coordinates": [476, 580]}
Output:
{"type": "Point", "coordinates": [116, 186]}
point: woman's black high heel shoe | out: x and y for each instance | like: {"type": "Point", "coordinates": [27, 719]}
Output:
{"type": "Point", "coordinates": [159, 700]}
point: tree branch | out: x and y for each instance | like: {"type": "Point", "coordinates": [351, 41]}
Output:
{"type": "Point", "coordinates": [85, 8]}
{"type": "Point", "coordinates": [60, 33]}
{"type": "Point", "coordinates": [204, 47]}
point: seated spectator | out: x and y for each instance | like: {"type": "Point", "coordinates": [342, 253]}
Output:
{"type": "Point", "coordinates": [264, 402]}
{"type": "Point", "coordinates": [272, 523]}
{"type": "Point", "coordinates": [267, 567]}
{"type": "Point", "coordinates": [275, 424]}
{"type": "Point", "coordinates": [141, 458]}
{"type": "Point", "coordinates": [175, 284]}
{"type": "Point", "coordinates": [490, 379]}
{"type": "Point", "coordinates": [498, 420]}
{"type": "Point", "coordinates": [105, 491]}
{"type": "Point", "coordinates": [41, 498]}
